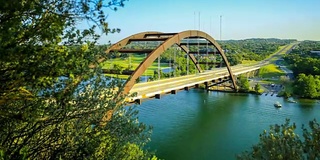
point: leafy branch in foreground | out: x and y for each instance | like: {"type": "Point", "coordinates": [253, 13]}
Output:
{"type": "Point", "coordinates": [281, 142]}
{"type": "Point", "coordinates": [51, 102]}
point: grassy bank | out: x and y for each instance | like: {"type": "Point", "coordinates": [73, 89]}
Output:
{"type": "Point", "coordinates": [249, 62]}
{"type": "Point", "coordinates": [134, 61]}
{"type": "Point", "coordinates": [270, 71]}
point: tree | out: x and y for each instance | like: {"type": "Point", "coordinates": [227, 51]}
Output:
{"type": "Point", "coordinates": [54, 100]}
{"type": "Point", "coordinates": [306, 86]}
{"type": "Point", "coordinates": [286, 94]}
{"type": "Point", "coordinates": [233, 59]}
{"type": "Point", "coordinates": [257, 87]}
{"type": "Point", "coordinates": [281, 142]}
{"type": "Point", "coordinates": [243, 84]}
{"type": "Point", "coordinates": [118, 68]}
{"type": "Point", "coordinates": [284, 79]}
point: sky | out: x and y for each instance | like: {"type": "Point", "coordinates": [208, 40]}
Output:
{"type": "Point", "coordinates": [240, 19]}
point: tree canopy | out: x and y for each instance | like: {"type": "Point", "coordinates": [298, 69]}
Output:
{"type": "Point", "coordinates": [281, 142]}
{"type": "Point", "coordinates": [255, 49]}
{"type": "Point", "coordinates": [257, 88]}
{"type": "Point", "coordinates": [243, 84]}
{"type": "Point", "coordinates": [54, 100]}
{"type": "Point", "coordinates": [307, 86]}
{"type": "Point", "coordinates": [305, 66]}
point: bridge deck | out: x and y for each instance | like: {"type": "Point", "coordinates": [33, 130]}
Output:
{"type": "Point", "coordinates": [156, 88]}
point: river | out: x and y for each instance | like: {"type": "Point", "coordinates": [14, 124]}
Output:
{"type": "Point", "coordinates": [197, 124]}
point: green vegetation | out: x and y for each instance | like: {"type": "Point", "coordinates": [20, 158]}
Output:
{"type": "Point", "coordinates": [306, 69]}
{"type": "Point", "coordinates": [281, 142]}
{"type": "Point", "coordinates": [53, 105]}
{"type": "Point", "coordinates": [257, 88]}
{"type": "Point", "coordinates": [302, 61]}
{"type": "Point", "coordinates": [269, 71]}
{"type": "Point", "coordinates": [248, 62]}
{"type": "Point", "coordinates": [307, 86]}
{"type": "Point", "coordinates": [130, 63]}
{"type": "Point", "coordinates": [305, 47]}
{"type": "Point", "coordinates": [243, 84]}
{"type": "Point", "coordinates": [167, 60]}
{"type": "Point", "coordinates": [287, 90]}
{"type": "Point", "coordinates": [250, 50]}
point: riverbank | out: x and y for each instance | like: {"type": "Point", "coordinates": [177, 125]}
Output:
{"type": "Point", "coordinates": [266, 87]}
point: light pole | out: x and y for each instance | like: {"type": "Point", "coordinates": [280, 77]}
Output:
{"type": "Point", "coordinates": [220, 26]}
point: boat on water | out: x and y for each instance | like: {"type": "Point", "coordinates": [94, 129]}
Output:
{"type": "Point", "coordinates": [291, 101]}
{"type": "Point", "coordinates": [277, 105]}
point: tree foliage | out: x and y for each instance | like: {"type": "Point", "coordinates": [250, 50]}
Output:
{"type": "Point", "coordinates": [301, 60]}
{"type": "Point", "coordinates": [306, 69]}
{"type": "Point", "coordinates": [54, 101]}
{"type": "Point", "coordinates": [303, 64]}
{"type": "Point", "coordinates": [243, 84]}
{"type": "Point", "coordinates": [255, 49]}
{"type": "Point", "coordinates": [307, 86]}
{"type": "Point", "coordinates": [281, 142]}
{"type": "Point", "coordinates": [305, 47]}
{"type": "Point", "coordinates": [257, 88]}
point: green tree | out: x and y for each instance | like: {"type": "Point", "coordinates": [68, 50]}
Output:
{"type": "Point", "coordinates": [286, 94]}
{"type": "Point", "coordinates": [257, 87]}
{"type": "Point", "coordinates": [252, 49]}
{"type": "Point", "coordinates": [306, 86]}
{"type": "Point", "coordinates": [284, 79]}
{"type": "Point", "coordinates": [54, 101]}
{"type": "Point", "coordinates": [118, 69]}
{"type": "Point", "coordinates": [233, 59]}
{"type": "Point", "coordinates": [243, 84]}
{"type": "Point", "coordinates": [281, 142]}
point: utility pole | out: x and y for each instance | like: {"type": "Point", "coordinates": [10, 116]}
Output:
{"type": "Point", "coordinates": [220, 26]}
{"type": "Point", "coordinates": [199, 21]}
{"type": "Point", "coordinates": [210, 26]}
{"type": "Point", "coordinates": [198, 58]}
{"type": "Point", "coordinates": [159, 70]}
{"type": "Point", "coordinates": [194, 19]}
{"type": "Point", "coordinates": [220, 37]}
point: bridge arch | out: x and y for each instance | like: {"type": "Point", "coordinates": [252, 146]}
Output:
{"type": "Point", "coordinates": [173, 38]}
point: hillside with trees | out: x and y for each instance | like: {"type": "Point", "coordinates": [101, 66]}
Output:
{"type": "Point", "coordinates": [252, 49]}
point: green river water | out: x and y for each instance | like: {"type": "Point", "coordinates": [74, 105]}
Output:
{"type": "Point", "coordinates": [201, 125]}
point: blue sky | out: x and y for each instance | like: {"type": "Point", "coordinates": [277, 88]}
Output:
{"type": "Point", "coordinates": [241, 19]}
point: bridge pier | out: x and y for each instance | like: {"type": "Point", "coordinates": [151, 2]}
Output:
{"type": "Point", "coordinates": [173, 91]}
{"type": "Point", "coordinates": [207, 85]}
{"type": "Point", "coordinates": [157, 96]}
{"type": "Point", "coordinates": [138, 101]}
{"type": "Point", "coordinates": [252, 74]}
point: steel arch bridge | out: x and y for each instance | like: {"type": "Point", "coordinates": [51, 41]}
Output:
{"type": "Point", "coordinates": [168, 40]}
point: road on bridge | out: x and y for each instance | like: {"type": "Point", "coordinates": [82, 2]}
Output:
{"type": "Point", "coordinates": [150, 89]}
